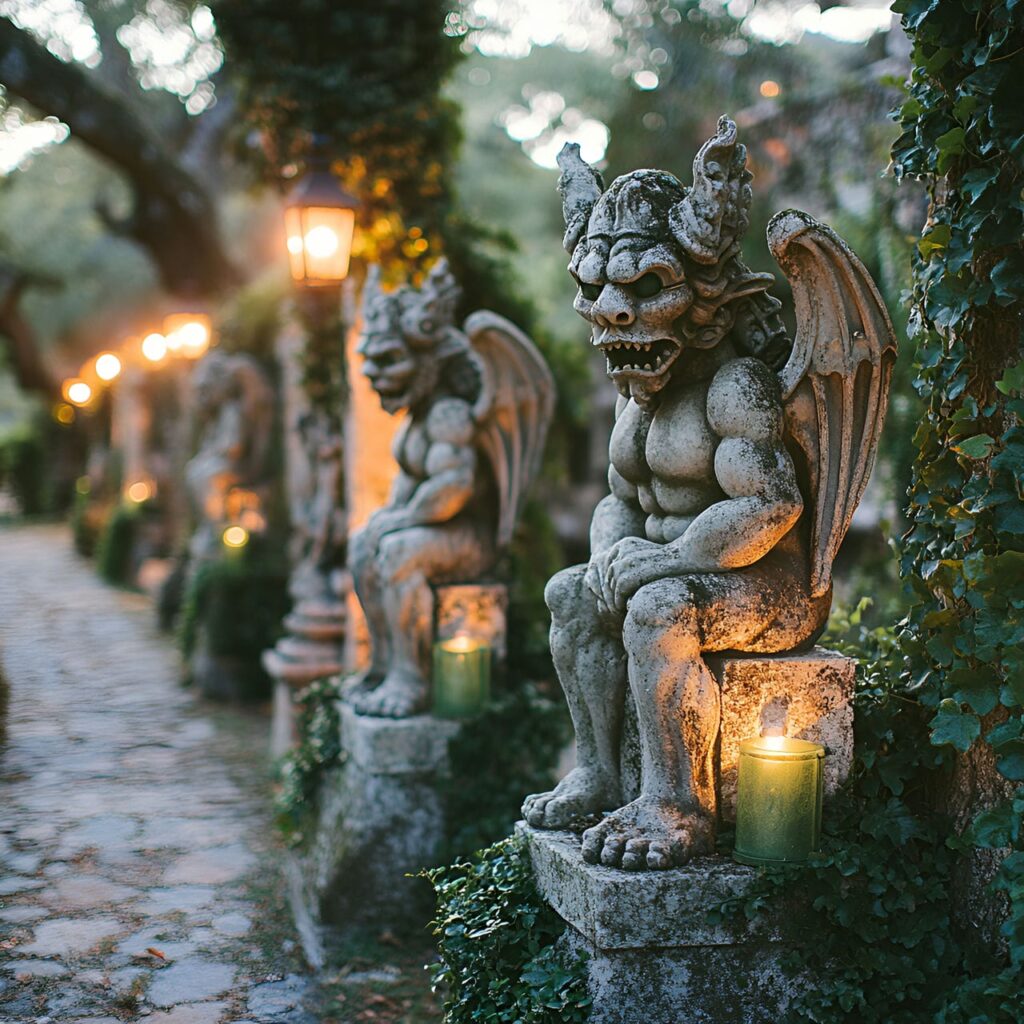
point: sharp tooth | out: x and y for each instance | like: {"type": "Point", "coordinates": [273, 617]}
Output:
{"type": "Point", "coordinates": [658, 363]}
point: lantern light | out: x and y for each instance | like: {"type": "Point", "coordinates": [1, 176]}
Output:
{"type": "Point", "coordinates": [188, 333]}
{"type": "Point", "coordinates": [139, 491]}
{"type": "Point", "coordinates": [154, 347]}
{"type": "Point", "coordinates": [108, 366]}
{"type": "Point", "coordinates": [320, 221]}
{"type": "Point", "coordinates": [77, 392]}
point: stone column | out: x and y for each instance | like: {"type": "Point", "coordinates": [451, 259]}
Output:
{"type": "Point", "coordinates": [381, 819]}
{"type": "Point", "coordinates": [316, 398]}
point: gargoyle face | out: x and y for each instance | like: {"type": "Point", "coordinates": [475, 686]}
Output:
{"type": "Point", "coordinates": [400, 376]}
{"type": "Point", "coordinates": [632, 283]}
{"type": "Point", "coordinates": [632, 291]}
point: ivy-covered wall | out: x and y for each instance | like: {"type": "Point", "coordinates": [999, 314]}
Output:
{"type": "Point", "coordinates": [963, 134]}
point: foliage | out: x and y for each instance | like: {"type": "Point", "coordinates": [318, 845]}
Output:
{"type": "Point", "coordinates": [88, 522]}
{"type": "Point", "coordinates": [318, 750]}
{"type": "Point", "coordinates": [23, 469]}
{"type": "Point", "coordinates": [507, 751]}
{"type": "Point", "coordinates": [367, 76]}
{"type": "Point", "coordinates": [115, 550]}
{"type": "Point", "coordinates": [237, 604]}
{"type": "Point", "coordinates": [499, 961]}
{"type": "Point", "coordinates": [964, 555]}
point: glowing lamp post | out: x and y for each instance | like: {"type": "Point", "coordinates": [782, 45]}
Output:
{"type": "Point", "coordinates": [320, 221]}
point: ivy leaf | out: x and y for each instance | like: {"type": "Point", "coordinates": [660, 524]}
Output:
{"type": "Point", "coordinates": [997, 827]}
{"type": "Point", "coordinates": [977, 447]}
{"type": "Point", "coordinates": [950, 725]}
{"type": "Point", "coordinates": [937, 238]}
{"type": "Point", "coordinates": [1011, 764]}
{"type": "Point", "coordinates": [1012, 381]}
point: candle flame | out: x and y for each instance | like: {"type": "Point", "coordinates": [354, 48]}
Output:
{"type": "Point", "coordinates": [461, 644]}
{"type": "Point", "coordinates": [773, 741]}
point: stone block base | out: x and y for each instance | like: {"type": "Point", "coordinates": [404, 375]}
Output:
{"type": "Point", "coordinates": [652, 955]}
{"type": "Point", "coordinates": [381, 818]}
{"type": "Point", "coordinates": [806, 696]}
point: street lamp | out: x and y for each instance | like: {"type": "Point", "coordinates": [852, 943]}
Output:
{"type": "Point", "coordinates": [320, 221]}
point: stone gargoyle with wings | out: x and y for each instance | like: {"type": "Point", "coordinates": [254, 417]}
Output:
{"type": "Point", "coordinates": [479, 402]}
{"type": "Point", "coordinates": [736, 461]}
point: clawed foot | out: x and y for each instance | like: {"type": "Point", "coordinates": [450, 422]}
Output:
{"type": "Point", "coordinates": [580, 793]}
{"type": "Point", "coordinates": [648, 834]}
{"type": "Point", "coordinates": [398, 696]}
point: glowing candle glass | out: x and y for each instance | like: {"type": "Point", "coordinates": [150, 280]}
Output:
{"type": "Point", "coordinates": [778, 803]}
{"type": "Point", "coordinates": [462, 677]}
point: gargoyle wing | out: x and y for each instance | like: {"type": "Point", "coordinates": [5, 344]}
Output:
{"type": "Point", "coordinates": [517, 399]}
{"type": "Point", "coordinates": [835, 385]}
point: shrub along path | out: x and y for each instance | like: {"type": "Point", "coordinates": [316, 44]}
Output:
{"type": "Point", "coordinates": [139, 872]}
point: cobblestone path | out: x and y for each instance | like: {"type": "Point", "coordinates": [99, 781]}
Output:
{"type": "Point", "coordinates": [138, 873]}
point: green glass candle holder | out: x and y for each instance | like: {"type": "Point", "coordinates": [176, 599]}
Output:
{"type": "Point", "coordinates": [462, 677]}
{"type": "Point", "coordinates": [778, 801]}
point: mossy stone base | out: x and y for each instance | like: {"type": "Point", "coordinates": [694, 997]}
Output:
{"type": "Point", "coordinates": [381, 819]}
{"type": "Point", "coordinates": [653, 957]}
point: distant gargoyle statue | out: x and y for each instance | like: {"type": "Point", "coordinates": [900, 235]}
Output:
{"type": "Point", "coordinates": [737, 460]}
{"type": "Point", "coordinates": [233, 405]}
{"type": "Point", "coordinates": [479, 402]}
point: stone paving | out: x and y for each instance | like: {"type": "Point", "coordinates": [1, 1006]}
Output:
{"type": "Point", "coordinates": [139, 873]}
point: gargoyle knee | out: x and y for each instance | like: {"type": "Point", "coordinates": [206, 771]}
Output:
{"type": "Point", "coordinates": [659, 608]}
{"type": "Point", "coordinates": [564, 591]}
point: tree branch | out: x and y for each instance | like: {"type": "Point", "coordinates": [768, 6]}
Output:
{"type": "Point", "coordinates": [173, 216]}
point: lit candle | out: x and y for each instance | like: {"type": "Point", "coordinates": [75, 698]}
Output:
{"type": "Point", "coordinates": [462, 677]}
{"type": "Point", "coordinates": [778, 802]}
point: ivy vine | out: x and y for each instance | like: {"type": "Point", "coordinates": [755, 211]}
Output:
{"type": "Point", "coordinates": [499, 961]}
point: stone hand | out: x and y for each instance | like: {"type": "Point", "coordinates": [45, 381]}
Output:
{"type": "Point", "coordinates": [598, 578]}
{"type": "Point", "coordinates": [637, 566]}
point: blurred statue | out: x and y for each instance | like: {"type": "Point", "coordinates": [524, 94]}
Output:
{"type": "Point", "coordinates": [737, 459]}
{"type": "Point", "coordinates": [233, 406]}
{"type": "Point", "coordinates": [478, 401]}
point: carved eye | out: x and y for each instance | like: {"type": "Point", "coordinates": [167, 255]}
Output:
{"type": "Point", "coordinates": [646, 286]}
{"type": "Point", "coordinates": [590, 291]}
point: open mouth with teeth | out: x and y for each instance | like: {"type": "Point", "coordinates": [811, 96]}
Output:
{"type": "Point", "coordinates": [640, 357]}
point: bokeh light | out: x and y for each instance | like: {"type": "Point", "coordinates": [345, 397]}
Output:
{"type": "Point", "coordinates": [154, 347]}
{"type": "Point", "coordinates": [108, 366]}
{"type": "Point", "coordinates": [236, 537]}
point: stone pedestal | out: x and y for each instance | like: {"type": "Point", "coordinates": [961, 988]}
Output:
{"type": "Point", "coordinates": [381, 817]}
{"type": "Point", "coordinates": [652, 956]}
{"type": "Point", "coordinates": [806, 696]}
{"type": "Point", "coordinates": [312, 649]}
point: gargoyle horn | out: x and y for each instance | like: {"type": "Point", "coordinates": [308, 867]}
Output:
{"type": "Point", "coordinates": [580, 187]}
{"type": "Point", "coordinates": [713, 217]}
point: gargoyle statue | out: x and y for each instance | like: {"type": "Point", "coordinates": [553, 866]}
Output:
{"type": "Point", "coordinates": [737, 459]}
{"type": "Point", "coordinates": [233, 406]}
{"type": "Point", "coordinates": [479, 401]}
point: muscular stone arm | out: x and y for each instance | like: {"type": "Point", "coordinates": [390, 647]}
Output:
{"type": "Point", "coordinates": [752, 467]}
{"type": "Point", "coordinates": [450, 469]}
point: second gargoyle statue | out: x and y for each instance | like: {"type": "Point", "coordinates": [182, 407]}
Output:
{"type": "Point", "coordinates": [737, 459]}
{"type": "Point", "coordinates": [478, 402]}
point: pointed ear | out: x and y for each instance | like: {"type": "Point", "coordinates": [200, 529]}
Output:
{"type": "Point", "coordinates": [714, 216]}
{"type": "Point", "coordinates": [580, 187]}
